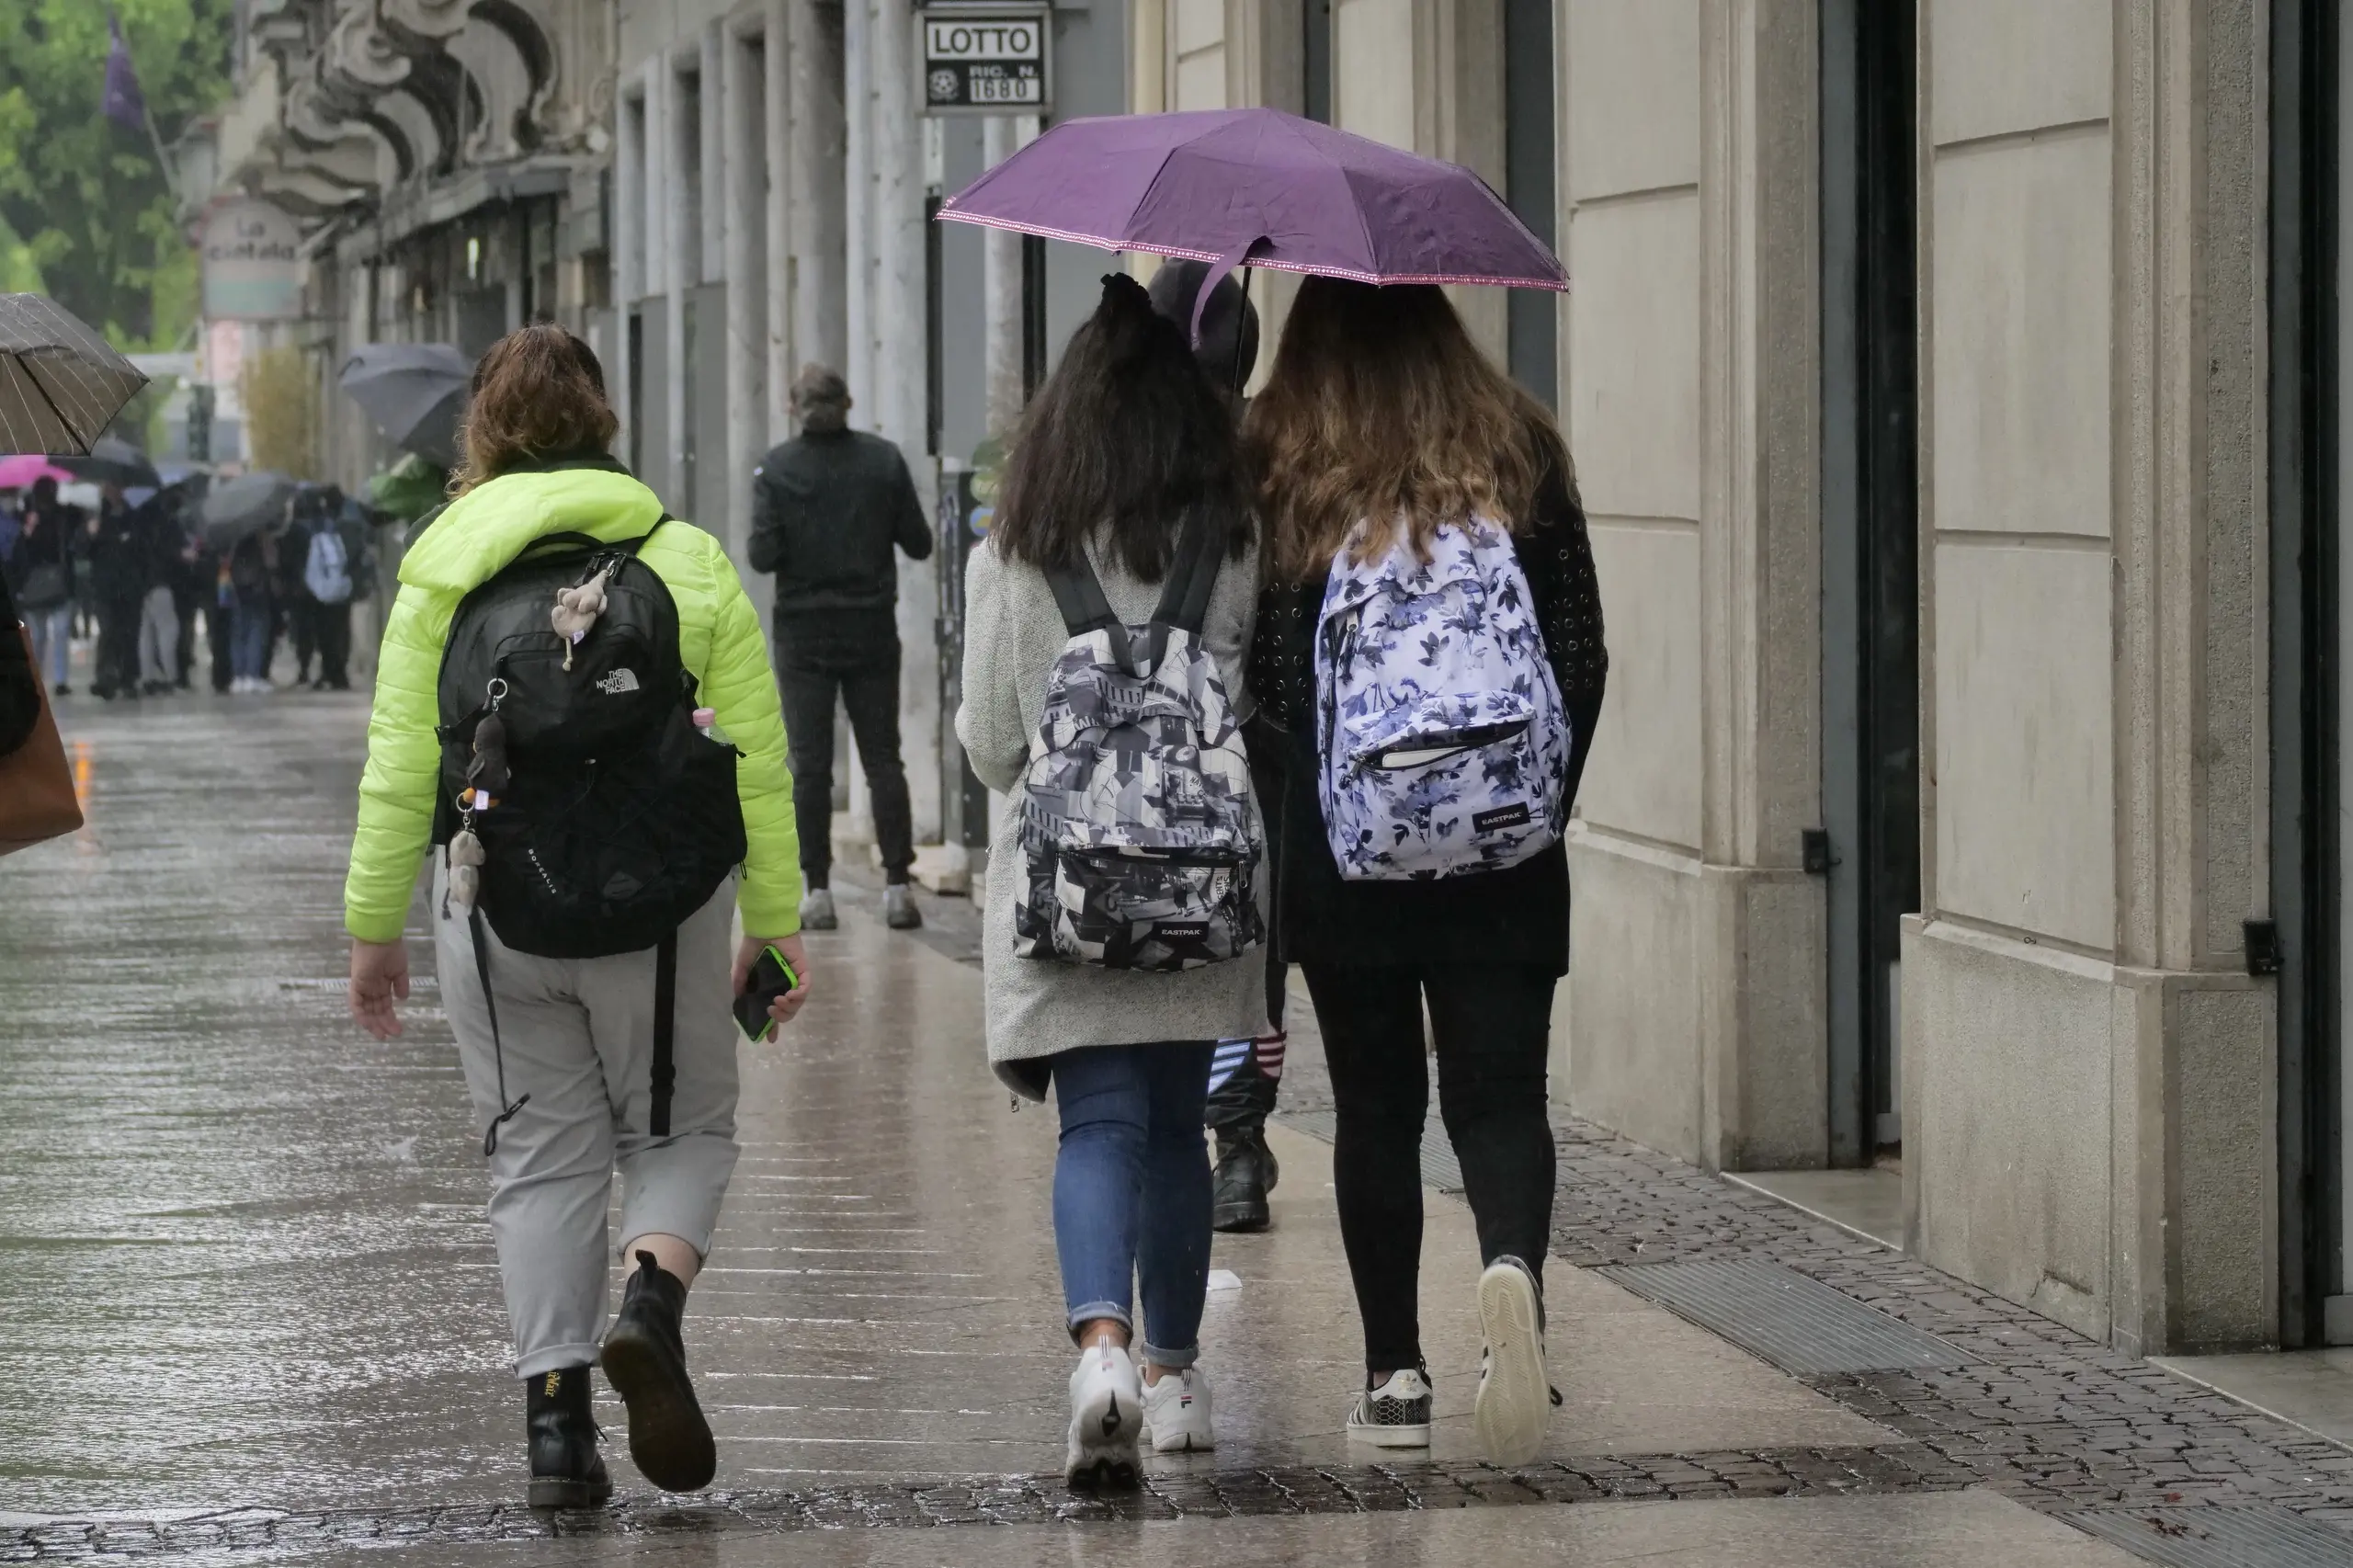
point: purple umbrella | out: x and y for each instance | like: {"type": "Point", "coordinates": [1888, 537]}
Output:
{"type": "Point", "coordinates": [1259, 188]}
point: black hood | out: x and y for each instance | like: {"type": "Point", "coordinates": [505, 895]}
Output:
{"type": "Point", "coordinates": [1228, 346]}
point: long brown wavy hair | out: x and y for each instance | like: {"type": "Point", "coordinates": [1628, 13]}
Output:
{"type": "Point", "coordinates": [538, 394]}
{"type": "Point", "coordinates": [1380, 409]}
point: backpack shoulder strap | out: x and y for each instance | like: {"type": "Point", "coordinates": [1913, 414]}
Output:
{"type": "Point", "coordinates": [1078, 594]}
{"type": "Point", "coordinates": [1192, 577]}
{"type": "Point", "coordinates": [629, 547]}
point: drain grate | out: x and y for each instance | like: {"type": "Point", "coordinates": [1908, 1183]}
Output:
{"type": "Point", "coordinates": [1799, 1324]}
{"type": "Point", "coordinates": [2263, 1535]}
{"type": "Point", "coordinates": [1441, 1169]}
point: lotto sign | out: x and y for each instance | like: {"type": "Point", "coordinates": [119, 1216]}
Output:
{"type": "Point", "coordinates": [986, 60]}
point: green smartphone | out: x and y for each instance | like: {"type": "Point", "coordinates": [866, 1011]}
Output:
{"type": "Point", "coordinates": [771, 978]}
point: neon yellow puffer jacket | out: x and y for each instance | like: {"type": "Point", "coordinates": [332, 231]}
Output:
{"type": "Point", "coordinates": [719, 639]}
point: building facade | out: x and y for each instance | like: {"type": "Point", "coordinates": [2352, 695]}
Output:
{"type": "Point", "coordinates": [1951, 388]}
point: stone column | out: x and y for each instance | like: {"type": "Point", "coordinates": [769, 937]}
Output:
{"type": "Point", "coordinates": [744, 84]}
{"type": "Point", "coordinates": [857, 180]}
{"type": "Point", "coordinates": [820, 184]}
{"type": "Point", "coordinates": [783, 174]}
{"type": "Point", "coordinates": [682, 233]}
{"type": "Point", "coordinates": [901, 374]}
{"type": "Point", "coordinates": [628, 252]}
{"type": "Point", "coordinates": [1001, 137]}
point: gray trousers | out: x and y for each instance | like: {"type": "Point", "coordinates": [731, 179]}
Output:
{"type": "Point", "coordinates": [578, 1039]}
{"type": "Point", "coordinates": [159, 638]}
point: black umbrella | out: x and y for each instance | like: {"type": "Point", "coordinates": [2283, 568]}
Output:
{"type": "Point", "coordinates": [248, 503]}
{"type": "Point", "coordinates": [415, 392]}
{"type": "Point", "coordinates": [112, 460]}
{"type": "Point", "coordinates": [61, 383]}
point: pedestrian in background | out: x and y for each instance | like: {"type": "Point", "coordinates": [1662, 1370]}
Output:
{"type": "Point", "coordinates": [297, 617]}
{"type": "Point", "coordinates": [828, 508]}
{"type": "Point", "coordinates": [1381, 429]}
{"type": "Point", "coordinates": [168, 550]}
{"type": "Point", "coordinates": [1124, 441]}
{"type": "Point", "coordinates": [1247, 1070]}
{"type": "Point", "coordinates": [252, 568]}
{"type": "Point", "coordinates": [578, 1042]}
{"type": "Point", "coordinates": [41, 575]}
{"type": "Point", "coordinates": [330, 577]}
{"type": "Point", "coordinates": [121, 571]}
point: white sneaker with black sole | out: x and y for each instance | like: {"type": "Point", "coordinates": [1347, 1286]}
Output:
{"type": "Point", "coordinates": [1176, 1414]}
{"type": "Point", "coordinates": [1394, 1415]}
{"type": "Point", "coordinates": [1516, 1397]}
{"type": "Point", "coordinates": [1105, 1419]}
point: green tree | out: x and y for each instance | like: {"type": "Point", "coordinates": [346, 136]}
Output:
{"type": "Point", "coordinates": [88, 198]}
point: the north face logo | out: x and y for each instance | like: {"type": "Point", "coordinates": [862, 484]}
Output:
{"type": "Point", "coordinates": [618, 682]}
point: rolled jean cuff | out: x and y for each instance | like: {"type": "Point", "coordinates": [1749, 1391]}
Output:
{"type": "Point", "coordinates": [1095, 1311]}
{"type": "Point", "coordinates": [556, 1358]}
{"type": "Point", "coordinates": [1170, 1361]}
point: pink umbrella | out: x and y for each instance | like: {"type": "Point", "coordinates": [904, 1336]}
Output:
{"type": "Point", "coordinates": [21, 472]}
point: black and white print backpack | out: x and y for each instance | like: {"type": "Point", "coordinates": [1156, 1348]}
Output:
{"type": "Point", "coordinates": [1140, 838]}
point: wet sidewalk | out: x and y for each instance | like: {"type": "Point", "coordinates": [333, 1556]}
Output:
{"type": "Point", "coordinates": [254, 1306]}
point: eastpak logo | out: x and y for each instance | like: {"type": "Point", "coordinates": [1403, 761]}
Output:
{"type": "Point", "coordinates": [1514, 815]}
{"type": "Point", "coordinates": [1180, 932]}
{"type": "Point", "coordinates": [618, 682]}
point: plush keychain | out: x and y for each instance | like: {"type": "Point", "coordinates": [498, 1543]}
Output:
{"type": "Point", "coordinates": [576, 609]}
{"type": "Point", "coordinates": [465, 869]}
{"type": "Point", "coordinates": [487, 775]}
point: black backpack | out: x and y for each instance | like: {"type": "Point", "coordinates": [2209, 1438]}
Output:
{"type": "Point", "coordinates": [607, 816]}
{"type": "Point", "coordinates": [618, 816]}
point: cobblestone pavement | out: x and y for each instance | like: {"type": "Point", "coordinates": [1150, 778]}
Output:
{"type": "Point", "coordinates": [253, 1303]}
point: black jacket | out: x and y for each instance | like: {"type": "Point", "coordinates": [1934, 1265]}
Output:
{"type": "Point", "coordinates": [827, 509]}
{"type": "Point", "coordinates": [47, 540]}
{"type": "Point", "coordinates": [1518, 915]}
{"type": "Point", "coordinates": [121, 557]}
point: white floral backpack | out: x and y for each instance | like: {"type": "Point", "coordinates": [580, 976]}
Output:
{"type": "Point", "coordinates": [1445, 744]}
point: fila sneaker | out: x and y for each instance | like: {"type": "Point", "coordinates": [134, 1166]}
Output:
{"type": "Point", "coordinates": [1176, 1414]}
{"type": "Point", "coordinates": [1106, 1420]}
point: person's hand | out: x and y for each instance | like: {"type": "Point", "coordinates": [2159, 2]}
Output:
{"type": "Point", "coordinates": [784, 1006]}
{"type": "Point", "coordinates": [378, 974]}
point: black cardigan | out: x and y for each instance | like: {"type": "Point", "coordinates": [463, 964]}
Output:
{"type": "Point", "coordinates": [1517, 915]}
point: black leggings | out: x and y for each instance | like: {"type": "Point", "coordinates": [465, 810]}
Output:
{"type": "Point", "coordinates": [1493, 1025]}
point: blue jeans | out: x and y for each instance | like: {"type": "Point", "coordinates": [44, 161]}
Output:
{"type": "Point", "coordinates": [249, 641]}
{"type": "Point", "coordinates": [1132, 1190]}
{"type": "Point", "coordinates": [50, 629]}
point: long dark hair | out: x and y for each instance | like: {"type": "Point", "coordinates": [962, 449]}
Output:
{"type": "Point", "coordinates": [1382, 410]}
{"type": "Point", "coordinates": [1126, 431]}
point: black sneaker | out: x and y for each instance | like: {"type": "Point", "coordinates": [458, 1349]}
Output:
{"type": "Point", "coordinates": [566, 1469]}
{"type": "Point", "coordinates": [645, 1358]}
{"type": "Point", "coordinates": [1394, 1413]}
{"type": "Point", "coordinates": [1247, 1171]}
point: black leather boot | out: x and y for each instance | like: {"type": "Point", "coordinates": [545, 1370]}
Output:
{"type": "Point", "coordinates": [566, 1470]}
{"type": "Point", "coordinates": [1247, 1171]}
{"type": "Point", "coordinates": [645, 1358]}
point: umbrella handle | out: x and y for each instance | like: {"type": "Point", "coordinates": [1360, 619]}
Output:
{"type": "Point", "coordinates": [1216, 276]}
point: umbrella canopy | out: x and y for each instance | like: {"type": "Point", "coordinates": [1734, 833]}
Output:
{"type": "Point", "coordinates": [61, 383]}
{"type": "Point", "coordinates": [246, 505]}
{"type": "Point", "coordinates": [1259, 188]}
{"type": "Point", "coordinates": [113, 461]}
{"type": "Point", "coordinates": [22, 471]}
{"type": "Point", "coordinates": [415, 392]}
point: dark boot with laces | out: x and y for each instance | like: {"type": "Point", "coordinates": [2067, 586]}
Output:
{"type": "Point", "coordinates": [1247, 1171]}
{"type": "Point", "coordinates": [566, 1469]}
{"type": "Point", "coordinates": [645, 1358]}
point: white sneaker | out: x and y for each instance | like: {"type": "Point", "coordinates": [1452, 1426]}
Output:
{"type": "Point", "coordinates": [1105, 1419]}
{"type": "Point", "coordinates": [1516, 1397]}
{"type": "Point", "coordinates": [1394, 1415]}
{"type": "Point", "coordinates": [1176, 1414]}
{"type": "Point", "coordinates": [817, 911]}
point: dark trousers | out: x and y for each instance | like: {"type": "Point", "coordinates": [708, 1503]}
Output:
{"type": "Point", "coordinates": [332, 625]}
{"type": "Point", "coordinates": [298, 619]}
{"type": "Point", "coordinates": [183, 653]}
{"type": "Point", "coordinates": [218, 623]}
{"type": "Point", "coordinates": [1493, 1025]}
{"type": "Point", "coordinates": [1240, 1102]}
{"type": "Point", "coordinates": [854, 654]}
{"type": "Point", "coordinates": [116, 664]}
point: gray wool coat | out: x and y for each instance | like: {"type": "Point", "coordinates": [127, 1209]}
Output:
{"type": "Point", "coordinates": [1036, 1008]}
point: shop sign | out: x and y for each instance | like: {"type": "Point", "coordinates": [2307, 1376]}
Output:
{"type": "Point", "coordinates": [987, 59]}
{"type": "Point", "coordinates": [253, 264]}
